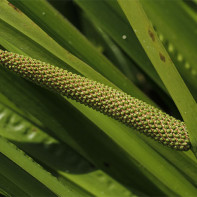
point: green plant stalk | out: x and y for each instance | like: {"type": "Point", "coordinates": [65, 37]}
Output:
{"type": "Point", "coordinates": [114, 103]}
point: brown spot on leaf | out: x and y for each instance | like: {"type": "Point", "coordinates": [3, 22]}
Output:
{"type": "Point", "coordinates": [15, 8]}
{"type": "Point", "coordinates": [151, 34]}
{"type": "Point", "coordinates": [162, 57]}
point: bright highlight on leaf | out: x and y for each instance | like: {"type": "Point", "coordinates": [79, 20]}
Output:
{"type": "Point", "coordinates": [114, 103]}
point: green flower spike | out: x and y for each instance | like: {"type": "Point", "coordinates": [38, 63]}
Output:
{"type": "Point", "coordinates": [114, 103]}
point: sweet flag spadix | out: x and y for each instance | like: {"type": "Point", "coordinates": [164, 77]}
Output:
{"type": "Point", "coordinates": [109, 101]}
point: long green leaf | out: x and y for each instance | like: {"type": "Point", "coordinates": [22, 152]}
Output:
{"type": "Point", "coordinates": [163, 64]}
{"type": "Point", "coordinates": [181, 46]}
{"type": "Point", "coordinates": [57, 156]}
{"type": "Point", "coordinates": [166, 17]}
{"type": "Point", "coordinates": [160, 13]}
{"type": "Point", "coordinates": [25, 162]}
{"type": "Point", "coordinates": [20, 181]}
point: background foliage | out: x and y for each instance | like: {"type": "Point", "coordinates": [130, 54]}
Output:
{"type": "Point", "coordinates": [53, 146]}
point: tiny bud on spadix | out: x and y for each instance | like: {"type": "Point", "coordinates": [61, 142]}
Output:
{"type": "Point", "coordinates": [114, 103]}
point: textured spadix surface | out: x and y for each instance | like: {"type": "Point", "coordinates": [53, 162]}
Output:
{"type": "Point", "coordinates": [114, 103]}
